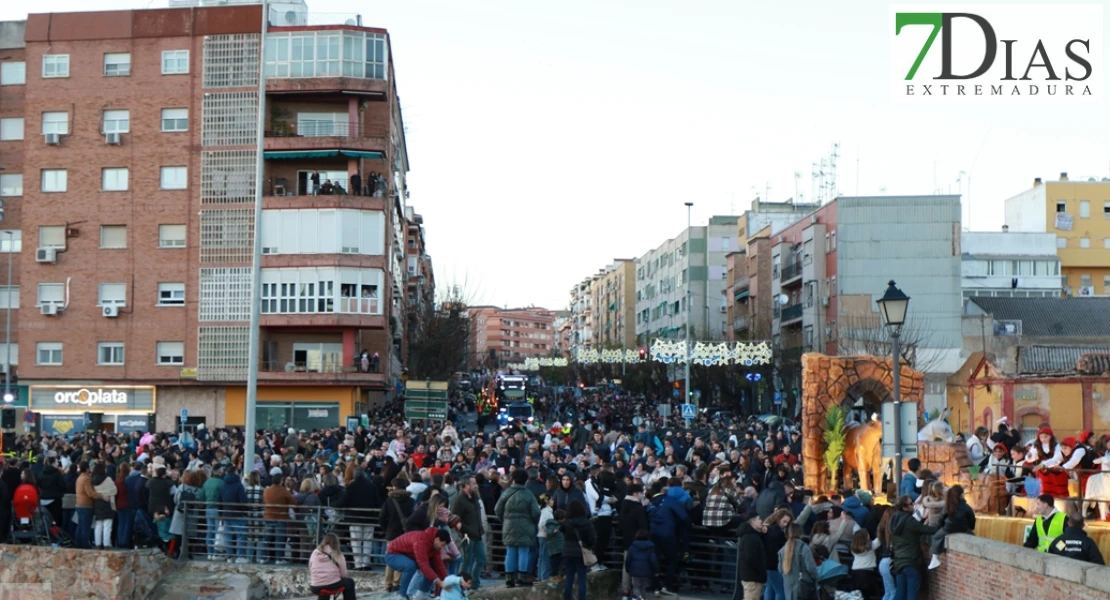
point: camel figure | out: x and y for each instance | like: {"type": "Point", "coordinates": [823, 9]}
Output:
{"type": "Point", "coordinates": [863, 453]}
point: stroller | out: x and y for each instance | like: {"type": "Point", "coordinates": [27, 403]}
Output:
{"type": "Point", "coordinates": [47, 532]}
{"type": "Point", "coordinates": [833, 579]}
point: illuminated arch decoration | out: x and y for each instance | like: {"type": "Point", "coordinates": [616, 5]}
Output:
{"type": "Point", "coordinates": [746, 354]}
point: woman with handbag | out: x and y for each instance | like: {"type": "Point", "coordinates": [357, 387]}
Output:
{"type": "Point", "coordinates": [579, 540]}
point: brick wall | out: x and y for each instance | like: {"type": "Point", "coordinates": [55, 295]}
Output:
{"type": "Point", "coordinates": [976, 567]}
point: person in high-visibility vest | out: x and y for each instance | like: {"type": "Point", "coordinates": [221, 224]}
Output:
{"type": "Point", "coordinates": [1048, 526]}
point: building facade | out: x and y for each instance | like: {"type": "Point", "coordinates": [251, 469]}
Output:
{"type": "Point", "coordinates": [614, 305]}
{"type": "Point", "coordinates": [419, 279]}
{"type": "Point", "coordinates": [137, 191]}
{"type": "Point", "coordinates": [830, 267]}
{"type": "Point", "coordinates": [503, 335]}
{"type": "Point", "coordinates": [582, 314]}
{"type": "Point", "coordinates": [1008, 264]}
{"type": "Point", "coordinates": [13, 78]}
{"type": "Point", "coordinates": [1077, 213]}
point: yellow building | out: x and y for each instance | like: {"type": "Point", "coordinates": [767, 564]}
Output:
{"type": "Point", "coordinates": [1078, 212]}
{"type": "Point", "coordinates": [614, 301]}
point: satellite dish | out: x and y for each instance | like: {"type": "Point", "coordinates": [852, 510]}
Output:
{"type": "Point", "coordinates": [351, 22]}
{"type": "Point", "coordinates": [783, 299]}
{"type": "Point", "coordinates": [291, 18]}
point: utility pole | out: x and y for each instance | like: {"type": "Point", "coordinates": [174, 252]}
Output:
{"type": "Point", "coordinates": [689, 305]}
{"type": "Point", "coordinates": [256, 270]}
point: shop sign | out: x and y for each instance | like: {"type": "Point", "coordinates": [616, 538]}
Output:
{"type": "Point", "coordinates": [317, 413]}
{"type": "Point", "coordinates": [130, 424]}
{"type": "Point", "coordinates": [93, 399]}
{"type": "Point", "coordinates": [64, 425]}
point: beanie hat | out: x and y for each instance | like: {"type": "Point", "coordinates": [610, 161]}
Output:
{"type": "Point", "coordinates": [1045, 429]}
{"type": "Point", "coordinates": [1069, 442]}
{"type": "Point", "coordinates": [1001, 445]}
{"type": "Point", "coordinates": [863, 496]}
{"type": "Point", "coordinates": [1085, 436]}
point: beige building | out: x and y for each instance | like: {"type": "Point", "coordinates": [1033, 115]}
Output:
{"type": "Point", "coordinates": [614, 305]}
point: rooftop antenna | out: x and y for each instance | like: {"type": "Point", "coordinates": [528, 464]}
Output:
{"type": "Point", "coordinates": [814, 197]}
{"type": "Point", "coordinates": [833, 156]}
{"type": "Point", "coordinates": [767, 196]}
{"type": "Point", "coordinates": [797, 178]}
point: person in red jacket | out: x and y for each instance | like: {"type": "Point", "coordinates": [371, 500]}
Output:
{"type": "Point", "coordinates": [26, 497]}
{"type": "Point", "coordinates": [418, 556]}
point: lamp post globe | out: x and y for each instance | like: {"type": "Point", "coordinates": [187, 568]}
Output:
{"type": "Point", "coordinates": [893, 306]}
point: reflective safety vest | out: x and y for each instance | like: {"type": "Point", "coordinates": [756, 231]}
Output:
{"type": "Point", "coordinates": [1055, 530]}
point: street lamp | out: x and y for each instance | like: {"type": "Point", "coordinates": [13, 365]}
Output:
{"type": "Point", "coordinates": [689, 208]}
{"type": "Point", "coordinates": [8, 397]}
{"type": "Point", "coordinates": [893, 306]}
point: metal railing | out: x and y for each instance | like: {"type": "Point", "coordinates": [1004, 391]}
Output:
{"type": "Point", "coordinates": [791, 313]}
{"type": "Point", "coordinates": [791, 270]}
{"type": "Point", "coordinates": [740, 323]}
{"type": "Point", "coordinates": [244, 533]}
{"type": "Point", "coordinates": [342, 129]}
{"type": "Point", "coordinates": [283, 186]}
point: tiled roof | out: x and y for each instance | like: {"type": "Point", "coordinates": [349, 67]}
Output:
{"type": "Point", "coordinates": [1093, 364]}
{"type": "Point", "coordinates": [1077, 317]}
{"type": "Point", "coordinates": [1055, 360]}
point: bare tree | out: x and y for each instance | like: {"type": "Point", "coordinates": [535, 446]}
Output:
{"type": "Point", "coordinates": [858, 335]}
{"type": "Point", "coordinates": [442, 345]}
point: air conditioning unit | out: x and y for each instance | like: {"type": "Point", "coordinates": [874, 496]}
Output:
{"type": "Point", "coordinates": [112, 139]}
{"type": "Point", "coordinates": [49, 309]}
{"type": "Point", "coordinates": [724, 309]}
{"type": "Point", "coordinates": [824, 300]}
{"type": "Point", "coordinates": [46, 255]}
{"type": "Point", "coordinates": [813, 219]}
{"type": "Point", "coordinates": [111, 311]}
{"type": "Point", "coordinates": [53, 139]}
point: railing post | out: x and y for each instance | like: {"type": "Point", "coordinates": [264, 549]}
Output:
{"type": "Point", "coordinates": [184, 554]}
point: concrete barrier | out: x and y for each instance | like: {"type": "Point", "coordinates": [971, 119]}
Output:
{"type": "Point", "coordinates": [45, 572]}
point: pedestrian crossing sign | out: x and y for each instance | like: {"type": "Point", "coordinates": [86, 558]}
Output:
{"type": "Point", "coordinates": [688, 411]}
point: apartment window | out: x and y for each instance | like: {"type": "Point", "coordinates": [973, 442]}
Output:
{"type": "Point", "coordinates": [51, 293]}
{"type": "Point", "coordinates": [171, 236]}
{"type": "Point", "coordinates": [171, 294]}
{"type": "Point", "coordinates": [175, 62]}
{"type": "Point", "coordinates": [1085, 280]}
{"type": "Point", "coordinates": [55, 65]}
{"type": "Point", "coordinates": [13, 73]}
{"type": "Point", "coordinates": [11, 130]}
{"type": "Point", "coordinates": [1084, 209]}
{"type": "Point", "coordinates": [117, 64]}
{"type": "Point", "coordinates": [55, 122]}
{"type": "Point", "coordinates": [832, 240]}
{"type": "Point", "coordinates": [109, 353]}
{"type": "Point", "coordinates": [1106, 243]}
{"type": "Point", "coordinates": [113, 236]}
{"type": "Point", "coordinates": [171, 353]}
{"type": "Point", "coordinates": [1084, 242]}
{"type": "Point", "coordinates": [112, 294]}
{"type": "Point", "coordinates": [117, 121]}
{"type": "Point", "coordinates": [48, 353]}
{"type": "Point", "coordinates": [11, 184]}
{"type": "Point", "coordinates": [54, 180]}
{"type": "Point", "coordinates": [1061, 206]}
{"type": "Point", "coordinates": [114, 179]}
{"type": "Point", "coordinates": [174, 178]}
{"type": "Point", "coordinates": [52, 236]}
{"type": "Point", "coordinates": [9, 297]}
{"type": "Point", "coordinates": [175, 120]}
{"type": "Point", "coordinates": [1061, 242]}
{"type": "Point", "coordinates": [11, 240]}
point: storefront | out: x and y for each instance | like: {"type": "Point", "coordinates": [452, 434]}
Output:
{"type": "Point", "coordinates": [301, 407]}
{"type": "Point", "coordinates": [67, 409]}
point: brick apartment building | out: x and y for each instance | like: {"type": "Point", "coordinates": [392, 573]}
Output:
{"type": "Point", "coordinates": [502, 336]}
{"type": "Point", "coordinates": [130, 152]}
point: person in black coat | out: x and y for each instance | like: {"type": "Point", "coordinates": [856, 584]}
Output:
{"type": "Point", "coordinates": [751, 567]}
{"type": "Point", "coordinates": [1075, 543]}
{"type": "Point", "coordinates": [396, 510]}
{"type": "Point", "coordinates": [12, 477]}
{"type": "Point", "coordinates": [52, 487]}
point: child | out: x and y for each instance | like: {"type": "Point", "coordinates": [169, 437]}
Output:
{"type": "Point", "coordinates": [162, 523]}
{"type": "Point", "coordinates": [641, 563]}
{"type": "Point", "coordinates": [865, 574]}
{"type": "Point", "coordinates": [455, 587]}
{"type": "Point", "coordinates": [555, 541]}
{"type": "Point", "coordinates": [547, 513]}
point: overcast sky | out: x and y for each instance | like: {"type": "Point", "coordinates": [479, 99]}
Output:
{"type": "Point", "coordinates": [547, 138]}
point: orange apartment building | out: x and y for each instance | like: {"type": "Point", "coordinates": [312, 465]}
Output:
{"type": "Point", "coordinates": [502, 336]}
{"type": "Point", "coordinates": [132, 181]}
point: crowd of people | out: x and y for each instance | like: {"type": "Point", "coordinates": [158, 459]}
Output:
{"type": "Point", "coordinates": [579, 488]}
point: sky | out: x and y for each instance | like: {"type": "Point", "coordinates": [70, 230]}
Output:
{"type": "Point", "coordinates": [548, 138]}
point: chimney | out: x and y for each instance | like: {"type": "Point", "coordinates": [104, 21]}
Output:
{"type": "Point", "coordinates": [1005, 229]}
{"type": "Point", "coordinates": [1063, 176]}
{"type": "Point", "coordinates": [1036, 182]}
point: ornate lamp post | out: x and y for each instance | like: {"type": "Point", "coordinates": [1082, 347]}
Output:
{"type": "Point", "coordinates": [893, 306]}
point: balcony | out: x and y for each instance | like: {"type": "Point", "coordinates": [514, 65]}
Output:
{"type": "Point", "coordinates": [740, 323]}
{"type": "Point", "coordinates": [790, 314]}
{"type": "Point", "coordinates": [740, 286]}
{"type": "Point", "coordinates": [316, 373]}
{"type": "Point", "coordinates": [791, 272]}
{"type": "Point", "coordinates": [303, 56]}
{"type": "Point", "coordinates": [323, 139]}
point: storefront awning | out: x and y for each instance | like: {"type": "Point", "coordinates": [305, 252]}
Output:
{"type": "Point", "coordinates": [295, 154]}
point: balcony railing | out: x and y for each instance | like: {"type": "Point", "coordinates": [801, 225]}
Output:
{"type": "Point", "coordinates": [339, 187]}
{"type": "Point", "coordinates": [340, 129]}
{"type": "Point", "coordinates": [740, 323]}
{"type": "Point", "coordinates": [791, 271]}
{"type": "Point", "coordinates": [791, 313]}
{"type": "Point", "coordinates": [740, 283]}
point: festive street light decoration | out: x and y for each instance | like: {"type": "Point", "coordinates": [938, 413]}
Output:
{"type": "Point", "coordinates": [611, 356]}
{"type": "Point", "coordinates": [668, 352]}
{"type": "Point", "coordinates": [632, 357]}
{"type": "Point", "coordinates": [588, 356]}
{"type": "Point", "coordinates": [534, 364]}
{"type": "Point", "coordinates": [749, 354]}
{"type": "Point", "coordinates": [712, 354]}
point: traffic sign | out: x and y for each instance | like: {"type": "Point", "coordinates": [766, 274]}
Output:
{"type": "Point", "coordinates": [426, 400]}
{"type": "Point", "coordinates": [689, 412]}
{"type": "Point", "coordinates": [184, 415]}
{"type": "Point", "coordinates": [778, 397]}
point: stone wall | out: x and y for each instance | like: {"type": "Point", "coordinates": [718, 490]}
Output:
{"type": "Point", "coordinates": [975, 567]}
{"type": "Point", "coordinates": [41, 572]}
{"type": "Point", "coordinates": [273, 582]}
{"type": "Point", "coordinates": [600, 585]}
{"type": "Point", "coordinates": [826, 382]}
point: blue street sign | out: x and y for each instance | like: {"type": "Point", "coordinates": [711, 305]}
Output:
{"type": "Point", "coordinates": [778, 397]}
{"type": "Point", "coordinates": [688, 411]}
{"type": "Point", "coordinates": [184, 415]}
